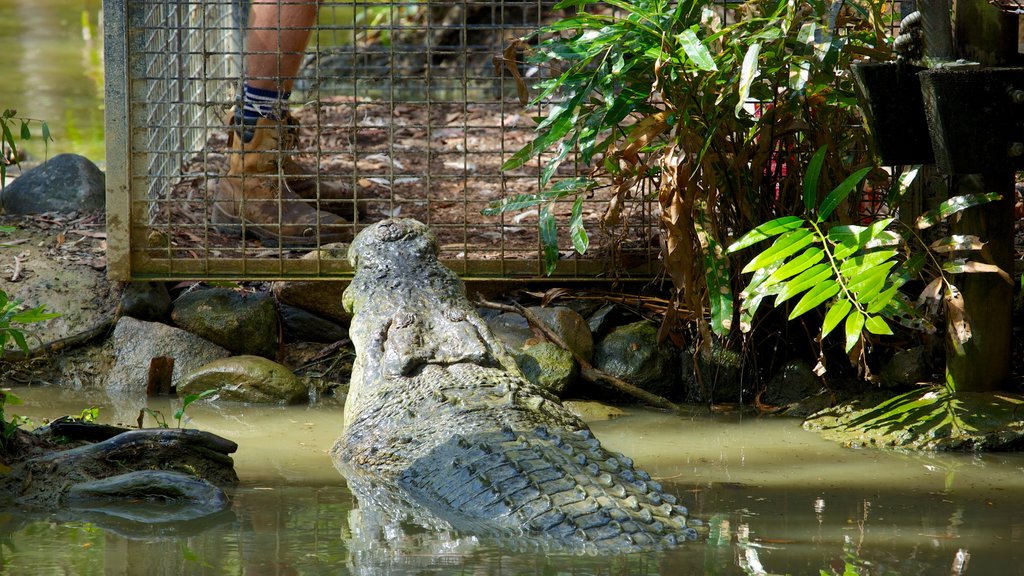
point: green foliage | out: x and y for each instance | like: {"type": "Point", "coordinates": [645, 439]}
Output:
{"type": "Point", "coordinates": [9, 120]}
{"type": "Point", "coordinates": [7, 427]}
{"type": "Point", "coordinates": [855, 271]}
{"type": "Point", "coordinates": [189, 399]}
{"type": "Point", "coordinates": [157, 415]}
{"type": "Point", "coordinates": [89, 415]}
{"type": "Point", "coordinates": [11, 314]}
{"type": "Point", "coordinates": [660, 96]}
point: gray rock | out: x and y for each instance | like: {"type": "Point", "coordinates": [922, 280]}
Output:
{"type": "Point", "coordinates": [592, 411]}
{"type": "Point", "coordinates": [631, 352]}
{"type": "Point", "coordinates": [514, 331]}
{"type": "Point", "coordinates": [722, 376]}
{"type": "Point", "coordinates": [570, 327]}
{"type": "Point", "coordinates": [603, 320]}
{"type": "Point", "coordinates": [241, 323]}
{"type": "Point", "coordinates": [251, 379]}
{"type": "Point", "coordinates": [907, 367]}
{"type": "Point", "coordinates": [136, 342]}
{"type": "Point", "coordinates": [548, 366]}
{"type": "Point", "coordinates": [793, 383]}
{"type": "Point", "coordinates": [65, 183]}
{"type": "Point", "coordinates": [301, 326]}
{"type": "Point", "coordinates": [146, 301]}
{"type": "Point", "coordinates": [320, 298]}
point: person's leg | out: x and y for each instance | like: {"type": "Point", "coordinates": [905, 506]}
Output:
{"type": "Point", "coordinates": [278, 33]}
{"type": "Point", "coordinates": [257, 195]}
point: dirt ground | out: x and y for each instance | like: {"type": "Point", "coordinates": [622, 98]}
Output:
{"type": "Point", "coordinates": [436, 162]}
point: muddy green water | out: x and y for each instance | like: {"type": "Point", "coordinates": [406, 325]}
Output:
{"type": "Point", "coordinates": [52, 70]}
{"type": "Point", "coordinates": [777, 500]}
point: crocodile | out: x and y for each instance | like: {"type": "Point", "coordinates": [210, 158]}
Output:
{"type": "Point", "coordinates": [441, 426]}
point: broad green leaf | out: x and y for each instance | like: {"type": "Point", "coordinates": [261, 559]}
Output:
{"type": "Point", "coordinates": [846, 233]}
{"type": "Point", "coordinates": [696, 51]}
{"type": "Point", "coordinates": [867, 285]}
{"type": "Point", "coordinates": [952, 206]}
{"type": "Point", "coordinates": [861, 262]}
{"type": "Point", "coordinates": [766, 231]}
{"type": "Point", "coordinates": [19, 339]}
{"type": "Point", "coordinates": [877, 325]}
{"type": "Point", "coordinates": [26, 134]}
{"type": "Point", "coordinates": [515, 203]}
{"type": "Point", "coordinates": [835, 315]}
{"type": "Point", "coordinates": [814, 297]}
{"type": "Point", "coordinates": [883, 299]}
{"type": "Point", "coordinates": [805, 281]}
{"type": "Point", "coordinates": [716, 275]}
{"type": "Point", "coordinates": [836, 196]}
{"type": "Point", "coordinates": [46, 133]}
{"type": "Point", "coordinates": [549, 239]}
{"type": "Point", "coordinates": [580, 240]}
{"type": "Point", "coordinates": [786, 245]}
{"type": "Point", "coordinates": [805, 260]}
{"type": "Point", "coordinates": [851, 238]}
{"type": "Point", "coordinates": [957, 242]}
{"type": "Point", "coordinates": [902, 184]}
{"type": "Point", "coordinates": [853, 327]}
{"type": "Point", "coordinates": [811, 179]}
{"type": "Point", "coordinates": [10, 399]}
{"type": "Point", "coordinates": [748, 74]}
{"type": "Point", "coordinates": [33, 315]}
{"type": "Point", "coordinates": [7, 137]}
{"type": "Point", "coordinates": [522, 156]}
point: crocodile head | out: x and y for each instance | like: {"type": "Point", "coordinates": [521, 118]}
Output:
{"type": "Point", "coordinates": [409, 310]}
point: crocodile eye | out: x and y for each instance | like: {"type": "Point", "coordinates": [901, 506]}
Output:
{"type": "Point", "coordinates": [403, 320]}
{"type": "Point", "coordinates": [454, 314]}
{"type": "Point", "coordinates": [389, 232]}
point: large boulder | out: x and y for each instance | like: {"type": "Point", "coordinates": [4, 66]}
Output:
{"type": "Point", "coordinates": [251, 379]}
{"type": "Point", "coordinates": [514, 331]}
{"type": "Point", "coordinates": [794, 382]}
{"type": "Point", "coordinates": [299, 325]}
{"type": "Point", "coordinates": [632, 353]}
{"type": "Point", "coordinates": [239, 322]}
{"type": "Point", "coordinates": [137, 342]}
{"type": "Point", "coordinates": [146, 301]}
{"type": "Point", "coordinates": [65, 183]}
{"type": "Point", "coordinates": [547, 365]}
{"type": "Point", "coordinates": [716, 374]}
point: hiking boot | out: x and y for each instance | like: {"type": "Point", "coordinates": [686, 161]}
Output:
{"type": "Point", "coordinates": [255, 196]}
{"type": "Point", "coordinates": [332, 191]}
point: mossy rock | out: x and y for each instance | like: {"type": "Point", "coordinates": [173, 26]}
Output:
{"type": "Point", "coordinates": [252, 379]}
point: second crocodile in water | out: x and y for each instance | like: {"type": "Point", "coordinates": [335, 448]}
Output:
{"type": "Point", "coordinates": [441, 426]}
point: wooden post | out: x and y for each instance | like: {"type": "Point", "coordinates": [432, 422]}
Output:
{"type": "Point", "coordinates": [985, 34]}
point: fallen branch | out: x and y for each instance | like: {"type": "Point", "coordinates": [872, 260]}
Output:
{"type": "Point", "coordinates": [587, 371]}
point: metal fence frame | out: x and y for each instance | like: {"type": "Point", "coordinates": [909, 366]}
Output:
{"type": "Point", "coordinates": [168, 66]}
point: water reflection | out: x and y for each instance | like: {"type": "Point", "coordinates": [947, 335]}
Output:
{"type": "Point", "coordinates": [775, 500]}
{"type": "Point", "coordinates": [53, 71]}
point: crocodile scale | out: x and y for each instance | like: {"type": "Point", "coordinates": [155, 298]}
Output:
{"type": "Point", "coordinates": [440, 419]}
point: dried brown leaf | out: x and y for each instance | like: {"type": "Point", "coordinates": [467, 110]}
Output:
{"type": "Point", "coordinates": [958, 322]}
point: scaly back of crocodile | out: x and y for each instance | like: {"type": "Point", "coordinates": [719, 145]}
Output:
{"type": "Point", "coordinates": [439, 416]}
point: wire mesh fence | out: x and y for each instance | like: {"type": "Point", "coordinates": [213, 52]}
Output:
{"type": "Point", "coordinates": [400, 110]}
